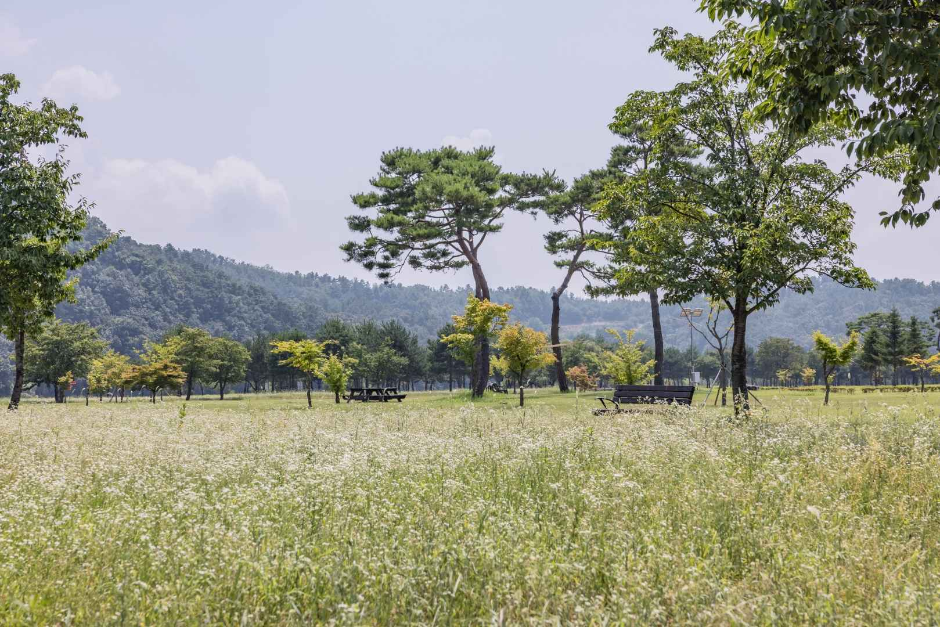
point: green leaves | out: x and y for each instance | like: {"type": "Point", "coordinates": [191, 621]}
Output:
{"type": "Point", "coordinates": [433, 209]}
{"type": "Point", "coordinates": [814, 58]}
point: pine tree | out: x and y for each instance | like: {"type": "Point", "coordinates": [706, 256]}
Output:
{"type": "Point", "coordinates": [895, 344]}
{"type": "Point", "coordinates": [872, 357]}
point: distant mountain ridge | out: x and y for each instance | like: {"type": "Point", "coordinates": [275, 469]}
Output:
{"type": "Point", "coordinates": [135, 291]}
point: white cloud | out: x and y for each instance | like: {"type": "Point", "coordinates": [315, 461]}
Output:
{"type": "Point", "coordinates": [232, 208]}
{"type": "Point", "coordinates": [12, 41]}
{"type": "Point", "coordinates": [478, 137]}
{"type": "Point", "coordinates": [78, 81]}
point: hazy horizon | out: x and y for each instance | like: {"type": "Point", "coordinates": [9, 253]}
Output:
{"type": "Point", "coordinates": [243, 129]}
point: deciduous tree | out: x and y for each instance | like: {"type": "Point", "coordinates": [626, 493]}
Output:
{"type": "Point", "coordinates": [627, 364]}
{"type": "Point", "coordinates": [336, 371]}
{"type": "Point", "coordinates": [61, 348]}
{"type": "Point", "coordinates": [228, 364]}
{"type": "Point", "coordinates": [522, 351]}
{"type": "Point", "coordinates": [749, 219]}
{"type": "Point", "coordinates": [480, 322]}
{"type": "Point", "coordinates": [40, 218]}
{"type": "Point", "coordinates": [307, 356]}
{"type": "Point", "coordinates": [833, 356]}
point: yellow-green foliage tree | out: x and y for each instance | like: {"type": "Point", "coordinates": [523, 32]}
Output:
{"type": "Point", "coordinates": [158, 370]}
{"type": "Point", "coordinates": [108, 374]}
{"type": "Point", "coordinates": [521, 351]}
{"type": "Point", "coordinates": [336, 372]}
{"type": "Point", "coordinates": [581, 378]}
{"type": "Point", "coordinates": [783, 375]}
{"type": "Point", "coordinates": [627, 364]}
{"type": "Point", "coordinates": [921, 365]}
{"type": "Point", "coordinates": [304, 355]}
{"type": "Point", "coordinates": [833, 356]}
{"type": "Point", "coordinates": [481, 320]}
{"type": "Point", "coordinates": [808, 375]}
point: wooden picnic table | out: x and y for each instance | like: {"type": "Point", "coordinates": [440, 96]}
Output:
{"type": "Point", "coordinates": [373, 395]}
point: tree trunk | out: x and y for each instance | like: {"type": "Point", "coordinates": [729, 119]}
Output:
{"type": "Point", "coordinates": [482, 366]}
{"type": "Point", "coordinates": [723, 378]}
{"type": "Point", "coordinates": [556, 343]}
{"type": "Point", "coordinates": [659, 348]}
{"type": "Point", "coordinates": [336, 396]}
{"type": "Point", "coordinates": [189, 385]}
{"type": "Point", "coordinates": [309, 398]}
{"type": "Point", "coordinates": [19, 352]}
{"type": "Point", "coordinates": [739, 360]}
{"type": "Point", "coordinates": [521, 396]}
{"type": "Point", "coordinates": [828, 386]}
{"type": "Point", "coordinates": [221, 391]}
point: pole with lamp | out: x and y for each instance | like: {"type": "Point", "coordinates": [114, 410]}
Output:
{"type": "Point", "coordinates": [688, 313]}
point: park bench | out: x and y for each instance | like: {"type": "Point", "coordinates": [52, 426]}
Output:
{"type": "Point", "coordinates": [373, 395]}
{"type": "Point", "coordinates": [645, 394]}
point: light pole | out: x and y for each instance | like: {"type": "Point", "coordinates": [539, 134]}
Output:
{"type": "Point", "coordinates": [688, 313]}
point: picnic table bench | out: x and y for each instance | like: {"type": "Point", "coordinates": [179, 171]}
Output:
{"type": "Point", "coordinates": [373, 395]}
{"type": "Point", "coordinates": [499, 389]}
{"type": "Point", "coordinates": [645, 394]}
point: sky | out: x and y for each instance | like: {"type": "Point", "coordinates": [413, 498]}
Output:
{"type": "Point", "coordinates": [244, 127]}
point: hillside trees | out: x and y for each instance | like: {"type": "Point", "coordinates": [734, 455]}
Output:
{"type": "Point", "coordinates": [433, 210]}
{"type": "Point", "coordinates": [39, 219]}
{"type": "Point", "coordinates": [750, 218]}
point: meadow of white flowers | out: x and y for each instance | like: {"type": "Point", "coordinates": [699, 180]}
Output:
{"type": "Point", "coordinates": [403, 514]}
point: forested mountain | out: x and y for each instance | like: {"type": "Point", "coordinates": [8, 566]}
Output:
{"type": "Point", "coordinates": [135, 292]}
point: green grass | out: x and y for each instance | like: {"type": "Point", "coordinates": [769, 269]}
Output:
{"type": "Point", "coordinates": [256, 509]}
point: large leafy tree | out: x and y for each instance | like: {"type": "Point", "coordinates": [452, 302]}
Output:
{"type": "Point", "coordinates": [229, 363]}
{"type": "Point", "coordinates": [158, 370]}
{"type": "Point", "coordinates": [59, 349]}
{"type": "Point", "coordinates": [812, 59]}
{"type": "Point", "coordinates": [433, 210]}
{"type": "Point", "coordinates": [747, 220]}
{"type": "Point", "coordinates": [193, 350]}
{"type": "Point", "coordinates": [39, 220]}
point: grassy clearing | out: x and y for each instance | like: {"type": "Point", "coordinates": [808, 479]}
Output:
{"type": "Point", "coordinates": [256, 509]}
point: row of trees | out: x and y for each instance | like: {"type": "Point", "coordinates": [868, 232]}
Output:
{"type": "Point", "coordinates": [703, 195]}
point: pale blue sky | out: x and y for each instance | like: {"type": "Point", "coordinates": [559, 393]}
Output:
{"type": "Point", "coordinates": [243, 127]}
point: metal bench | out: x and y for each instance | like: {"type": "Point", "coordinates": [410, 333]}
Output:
{"type": "Point", "coordinates": [645, 394]}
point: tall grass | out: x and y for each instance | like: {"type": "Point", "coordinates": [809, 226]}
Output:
{"type": "Point", "coordinates": [402, 514]}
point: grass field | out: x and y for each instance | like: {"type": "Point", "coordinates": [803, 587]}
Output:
{"type": "Point", "coordinates": [436, 510]}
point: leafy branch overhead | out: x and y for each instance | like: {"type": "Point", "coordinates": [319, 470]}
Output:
{"type": "Point", "coordinates": [868, 65]}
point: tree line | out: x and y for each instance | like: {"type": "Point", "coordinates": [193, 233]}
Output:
{"type": "Point", "coordinates": [710, 191]}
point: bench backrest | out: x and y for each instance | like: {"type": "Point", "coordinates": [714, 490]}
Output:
{"type": "Point", "coordinates": [675, 394]}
